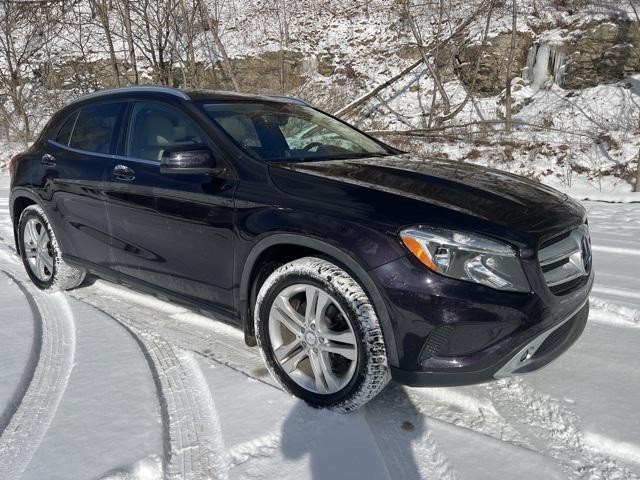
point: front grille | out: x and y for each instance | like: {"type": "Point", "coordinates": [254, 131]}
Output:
{"type": "Point", "coordinates": [554, 339]}
{"type": "Point", "coordinates": [566, 259]}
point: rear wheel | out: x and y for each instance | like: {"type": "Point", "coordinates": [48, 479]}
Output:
{"type": "Point", "coordinates": [41, 255]}
{"type": "Point", "coordinates": [320, 336]}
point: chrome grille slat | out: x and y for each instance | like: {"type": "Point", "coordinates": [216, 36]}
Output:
{"type": "Point", "coordinates": [564, 260]}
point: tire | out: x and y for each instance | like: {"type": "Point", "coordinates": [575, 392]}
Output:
{"type": "Point", "coordinates": [333, 355]}
{"type": "Point", "coordinates": [50, 272]}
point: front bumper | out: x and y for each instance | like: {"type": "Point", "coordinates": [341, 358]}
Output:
{"type": "Point", "coordinates": [527, 357]}
{"type": "Point", "coordinates": [449, 332]}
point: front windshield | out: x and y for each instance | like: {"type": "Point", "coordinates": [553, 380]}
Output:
{"type": "Point", "coordinates": [286, 132]}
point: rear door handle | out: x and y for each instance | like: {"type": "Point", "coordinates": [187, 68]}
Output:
{"type": "Point", "coordinates": [48, 160]}
{"type": "Point", "coordinates": [122, 172]}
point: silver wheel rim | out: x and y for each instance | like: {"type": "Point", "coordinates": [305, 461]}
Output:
{"type": "Point", "coordinates": [312, 339]}
{"type": "Point", "coordinates": [38, 249]}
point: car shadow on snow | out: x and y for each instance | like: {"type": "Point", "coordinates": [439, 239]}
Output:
{"type": "Point", "coordinates": [378, 441]}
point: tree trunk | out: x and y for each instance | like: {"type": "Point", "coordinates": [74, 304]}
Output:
{"type": "Point", "coordinates": [507, 101]}
{"type": "Point", "coordinates": [226, 62]}
{"type": "Point", "coordinates": [132, 51]}
{"type": "Point", "coordinates": [637, 186]}
{"type": "Point", "coordinates": [100, 7]}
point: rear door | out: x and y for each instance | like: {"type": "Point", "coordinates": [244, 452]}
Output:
{"type": "Point", "coordinates": [173, 231]}
{"type": "Point", "coordinates": [74, 163]}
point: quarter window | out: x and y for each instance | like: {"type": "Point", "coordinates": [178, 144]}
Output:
{"type": "Point", "coordinates": [155, 128]}
{"type": "Point", "coordinates": [95, 127]}
{"type": "Point", "coordinates": [65, 131]}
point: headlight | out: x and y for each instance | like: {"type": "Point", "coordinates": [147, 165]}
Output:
{"type": "Point", "coordinates": [467, 256]}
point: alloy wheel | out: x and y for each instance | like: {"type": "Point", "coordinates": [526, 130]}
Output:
{"type": "Point", "coordinates": [312, 339]}
{"type": "Point", "coordinates": [38, 249]}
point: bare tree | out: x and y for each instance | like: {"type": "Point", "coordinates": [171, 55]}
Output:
{"type": "Point", "coordinates": [507, 101]}
{"type": "Point", "coordinates": [124, 8]}
{"type": "Point", "coordinates": [214, 27]}
{"type": "Point", "coordinates": [19, 39]}
{"type": "Point", "coordinates": [387, 83]}
{"type": "Point", "coordinates": [154, 35]}
{"type": "Point", "coordinates": [100, 9]}
{"type": "Point", "coordinates": [433, 68]}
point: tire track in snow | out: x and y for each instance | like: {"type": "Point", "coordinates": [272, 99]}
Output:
{"type": "Point", "coordinates": [552, 430]}
{"type": "Point", "coordinates": [193, 441]}
{"type": "Point", "coordinates": [191, 331]}
{"type": "Point", "coordinates": [55, 346]}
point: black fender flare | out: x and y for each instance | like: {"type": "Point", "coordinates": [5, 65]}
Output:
{"type": "Point", "coordinates": [346, 261]}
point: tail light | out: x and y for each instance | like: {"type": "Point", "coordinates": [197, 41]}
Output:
{"type": "Point", "coordinates": [12, 164]}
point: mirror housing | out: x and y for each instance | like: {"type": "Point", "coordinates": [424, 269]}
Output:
{"type": "Point", "coordinates": [189, 161]}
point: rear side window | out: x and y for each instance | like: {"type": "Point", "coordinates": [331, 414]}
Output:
{"type": "Point", "coordinates": [95, 127]}
{"type": "Point", "coordinates": [65, 131]}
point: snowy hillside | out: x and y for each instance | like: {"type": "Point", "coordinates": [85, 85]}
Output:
{"type": "Point", "coordinates": [444, 66]}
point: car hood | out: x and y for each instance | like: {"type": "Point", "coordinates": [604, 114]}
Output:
{"type": "Point", "coordinates": [481, 192]}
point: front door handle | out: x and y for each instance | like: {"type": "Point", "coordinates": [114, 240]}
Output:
{"type": "Point", "coordinates": [48, 160]}
{"type": "Point", "coordinates": [122, 172]}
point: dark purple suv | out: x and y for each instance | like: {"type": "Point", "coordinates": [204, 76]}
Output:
{"type": "Point", "coordinates": [347, 261]}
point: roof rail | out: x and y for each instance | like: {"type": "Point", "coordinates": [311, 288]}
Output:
{"type": "Point", "coordinates": [134, 88]}
{"type": "Point", "coordinates": [291, 99]}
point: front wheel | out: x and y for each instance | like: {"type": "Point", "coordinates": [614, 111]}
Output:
{"type": "Point", "coordinates": [320, 336]}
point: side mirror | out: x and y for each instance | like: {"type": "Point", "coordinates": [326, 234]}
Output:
{"type": "Point", "coordinates": [189, 161]}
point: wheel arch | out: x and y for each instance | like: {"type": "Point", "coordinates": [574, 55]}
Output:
{"type": "Point", "coordinates": [20, 199]}
{"type": "Point", "coordinates": [311, 246]}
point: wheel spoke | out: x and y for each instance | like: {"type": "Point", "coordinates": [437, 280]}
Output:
{"type": "Point", "coordinates": [283, 351]}
{"type": "Point", "coordinates": [332, 381]}
{"type": "Point", "coordinates": [284, 307]}
{"type": "Point", "coordinates": [318, 374]}
{"type": "Point", "coordinates": [31, 253]}
{"type": "Point", "coordinates": [48, 262]}
{"type": "Point", "coordinates": [291, 363]}
{"type": "Point", "coordinates": [347, 351]}
{"type": "Point", "coordinates": [322, 303]}
{"type": "Point", "coordinates": [31, 230]}
{"type": "Point", "coordinates": [284, 320]}
{"type": "Point", "coordinates": [346, 336]}
{"type": "Point", "coordinates": [312, 299]}
{"type": "Point", "coordinates": [43, 238]}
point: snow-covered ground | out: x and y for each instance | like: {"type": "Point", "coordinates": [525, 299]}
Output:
{"type": "Point", "coordinates": [105, 383]}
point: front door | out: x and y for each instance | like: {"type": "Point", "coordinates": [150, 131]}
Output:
{"type": "Point", "coordinates": [172, 231]}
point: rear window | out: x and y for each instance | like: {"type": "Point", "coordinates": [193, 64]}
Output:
{"type": "Point", "coordinates": [65, 131]}
{"type": "Point", "coordinates": [95, 127]}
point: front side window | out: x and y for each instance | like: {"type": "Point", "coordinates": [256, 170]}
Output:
{"type": "Point", "coordinates": [285, 132]}
{"type": "Point", "coordinates": [94, 129]}
{"type": "Point", "coordinates": [155, 128]}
